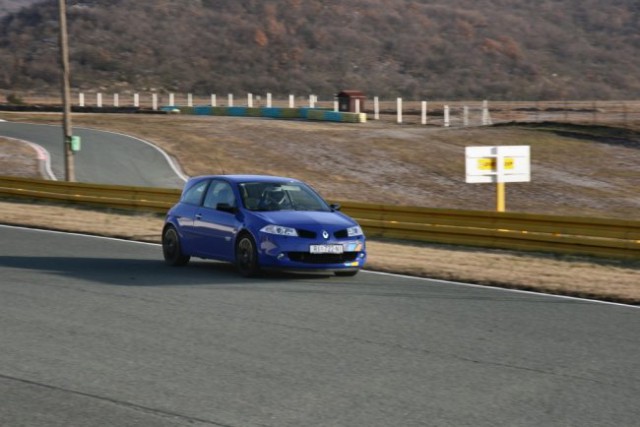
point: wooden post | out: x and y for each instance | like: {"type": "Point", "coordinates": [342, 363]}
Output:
{"type": "Point", "coordinates": [465, 115]}
{"type": "Point", "coordinates": [116, 100]}
{"type": "Point", "coordinates": [268, 100]}
{"type": "Point", "coordinates": [424, 112]}
{"type": "Point", "coordinates": [357, 106]}
{"type": "Point", "coordinates": [213, 100]}
{"type": "Point", "coordinates": [399, 108]}
{"type": "Point", "coordinates": [230, 100]}
{"type": "Point", "coordinates": [81, 99]}
{"type": "Point", "coordinates": [154, 101]}
{"type": "Point", "coordinates": [136, 100]}
{"type": "Point", "coordinates": [69, 165]}
{"type": "Point", "coordinates": [446, 116]}
{"type": "Point", "coordinates": [189, 100]}
{"type": "Point", "coordinates": [99, 100]}
{"type": "Point", "coordinates": [171, 100]}
{"type": "Point", "coordinates": [250, 100]}
{"type": "Point", "coordinates": [291, 101]}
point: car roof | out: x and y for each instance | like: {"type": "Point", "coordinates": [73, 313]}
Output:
{"type": "Point", "coordinates": [245, 178]}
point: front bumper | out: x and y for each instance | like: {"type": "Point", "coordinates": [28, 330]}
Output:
{"type": "Point", "coordinates": [294, 253]}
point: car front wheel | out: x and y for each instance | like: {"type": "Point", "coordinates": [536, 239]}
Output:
{"type": "Point", "coordinates": [171, 248]}
{"type": "Point", "coordinates": [247, 256]}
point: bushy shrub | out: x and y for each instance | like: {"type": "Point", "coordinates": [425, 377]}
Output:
{"type": "Point", "coordinates": [12, 98]}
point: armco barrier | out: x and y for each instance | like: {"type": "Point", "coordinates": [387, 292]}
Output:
{"type": "Point", "coordinates": [515, 231]}
{"type": "Point", "coordinates": [111, 196]}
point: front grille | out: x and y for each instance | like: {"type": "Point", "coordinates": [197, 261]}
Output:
{"type": "Point", "coordinates": [306, 234]}
{"type": "Point", "coordinates": [308, 258]}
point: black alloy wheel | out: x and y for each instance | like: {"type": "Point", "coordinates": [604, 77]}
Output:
{"type": "Point", "coordinates": [247, 256]}
{"type": "Point", "coordinates": [171, 248]}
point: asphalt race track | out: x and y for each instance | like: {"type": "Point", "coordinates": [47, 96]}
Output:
{"type": "Point", "coordinates": [98, 332]}
{"type": "Point", "coordinates": [104, 157]}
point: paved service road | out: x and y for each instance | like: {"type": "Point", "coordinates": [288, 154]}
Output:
{"type": "Point", "coordinates": [104, 157]}
{"type": "Point", "coordinates": [98, 332]}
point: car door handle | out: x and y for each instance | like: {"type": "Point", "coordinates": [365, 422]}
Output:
{"type": "Point", "coordinates": [198, 216]}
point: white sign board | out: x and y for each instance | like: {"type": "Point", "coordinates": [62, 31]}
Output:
{"type": "Point", "coordinates": [510, 163]}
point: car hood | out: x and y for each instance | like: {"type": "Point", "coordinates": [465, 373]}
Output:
{"type": "Point", "coordinates": [306, 218]}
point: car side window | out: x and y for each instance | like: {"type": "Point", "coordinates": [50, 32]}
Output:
{"type": "Point", "coordinates": [193, 196]}
{"type": "Point", "coordinates": [219, 192]}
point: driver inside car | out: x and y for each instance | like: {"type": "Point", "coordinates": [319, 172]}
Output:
{"type": "Point", "coordinates": [275, 199]}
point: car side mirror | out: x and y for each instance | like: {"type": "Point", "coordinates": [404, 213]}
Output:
{"type": "Point", "coordinates": [335, 206]}
{"type": "Point", "coordinates": [226, 207]}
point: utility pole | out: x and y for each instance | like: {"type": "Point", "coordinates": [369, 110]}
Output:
{"type": "Point", "coordinates": [69, 167]}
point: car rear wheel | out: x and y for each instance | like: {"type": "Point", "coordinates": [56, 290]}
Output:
{"type": "Point", "coordinates": [171, 248]}
{"type": "Point", "coordinates": [247, 256]}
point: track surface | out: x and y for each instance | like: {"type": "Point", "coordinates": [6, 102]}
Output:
{"type": "Point", "coordinates": [99, 332]}
{"type": "Point", "coordinates": [104, 157]}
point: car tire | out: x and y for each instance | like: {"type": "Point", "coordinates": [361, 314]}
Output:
{"type": "Point", "coordinates": [349, 273]}
{"type": "Point", "coordinates": [172, 249]}
{"type": "Point", "coordinates": [247, 256]}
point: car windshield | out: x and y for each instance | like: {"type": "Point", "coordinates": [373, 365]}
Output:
{"type": "Point", "coordinates": [269, 196]}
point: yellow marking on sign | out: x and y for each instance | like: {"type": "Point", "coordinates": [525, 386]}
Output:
{"type": "Point", "coordinates": [489, 163]}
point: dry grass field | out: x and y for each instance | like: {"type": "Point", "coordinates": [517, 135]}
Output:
{"type": "Point", "coordinates": [576, 171]}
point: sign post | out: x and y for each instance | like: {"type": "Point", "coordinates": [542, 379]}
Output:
{"type": "Point", "coordinates": [499, 164]}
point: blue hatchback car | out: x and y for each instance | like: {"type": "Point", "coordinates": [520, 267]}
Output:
{"type": "Point", "coordinates": [260, 222]}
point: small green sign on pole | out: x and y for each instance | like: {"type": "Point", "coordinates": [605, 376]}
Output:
{"type": "Point", "coordinates": [75, 143]}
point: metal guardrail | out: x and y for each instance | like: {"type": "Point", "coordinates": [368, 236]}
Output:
{"type": "Point", "coordinates": [147, 199]}
{"type": "Point", "coordinates": [515, 231]}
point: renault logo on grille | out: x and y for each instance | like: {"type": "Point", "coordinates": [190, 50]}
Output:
{"type": "Point", "coordinates": [325, 234]}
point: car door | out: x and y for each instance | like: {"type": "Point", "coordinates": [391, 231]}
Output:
{"type": "Point", "coordinates": [185, 213]}
{"type": "Point", "coordinates": [217, 228]}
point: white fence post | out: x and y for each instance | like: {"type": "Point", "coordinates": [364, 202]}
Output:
{"type": "Point", "coordinates": [335, 105]}
{"type": "Point", "coordinates": [213, 100]}
{"type": "Point", "coordinates": [399, 107]}
{"type": "Point", "coordinates": [291, 101]}
{"type": "Point", "coordinates": [230, 100]}
{"type": "Point", "coordinates": [99, 100]}
{"type": "Point", "coordinates": [136, 100]}
{"type": "Point", "coordinates": [154, 101]}
{"type": "Point", "coordinates": [171, 100]}
{"type": "Point", "coordinates": [446, 116]}
{"type": "Point", "coordinates": [250, 100]}
{"type": "Point", "coordinates": [357, 106]}
{"type": "Point", "coordinates": [486, 118]}
{"type": "Point", "coordinates": [424, 112]}
{"type": "Point", "coordinates": [268, 100]}
{"type": "Point", "coordinates": [189, 100]}
{"type": "Point", "coordinates": [465, 116]}
{"type": "Point", "coordinates": [81, 99]}
{"type": "Point", "coordinates": [376, 108]}
{"type": "Point", "coordinates": [116, 100]}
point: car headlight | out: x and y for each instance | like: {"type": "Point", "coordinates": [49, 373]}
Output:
{"type": "Point", "coordinates": [354, 231]}
{"type": "Point", "coordinates": [279, 230]}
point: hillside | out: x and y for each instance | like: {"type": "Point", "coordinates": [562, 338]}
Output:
{"type": "Point", "coordinates": [435, 49]}
{"type": "Point", "coordinates": [11, 6]}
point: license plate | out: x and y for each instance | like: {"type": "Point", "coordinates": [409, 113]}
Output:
{"type": "Point", "coordinates": [326, 249]}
